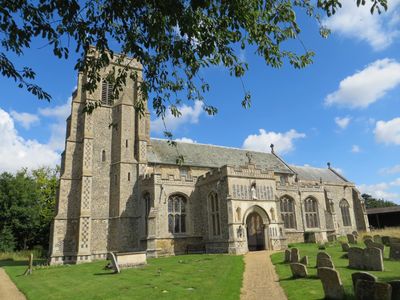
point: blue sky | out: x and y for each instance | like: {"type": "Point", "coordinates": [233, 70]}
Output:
{"type": "Point", "coordinates": [344, 108]}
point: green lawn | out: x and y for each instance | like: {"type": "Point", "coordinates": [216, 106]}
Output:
{"type": "Point", "coordinates": [180, 277]}
{"type": "Point", "coordinates": [311, 288]}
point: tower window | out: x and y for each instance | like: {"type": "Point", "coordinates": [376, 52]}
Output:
{"type": "Point", "coordinates": [103, 155]}
{"type": "Point", "coordinates": [126, 143]}
{"type": "Point", "coordinates": [107, 97]}
{"type": "Point", "coordinates": [129, 176]}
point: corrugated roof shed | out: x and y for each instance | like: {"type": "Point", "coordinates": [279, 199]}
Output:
{"type": "Point", "coordinates": [210, 156]}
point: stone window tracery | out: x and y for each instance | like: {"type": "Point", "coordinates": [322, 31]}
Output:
{"type": "Point", "coordinates": [177, 214]}
{"type": "Point", "coordinates": [107, 97]}
{"type": "Point", "coordinates": [288, 212]}
{"type": "Point", "coordinates": [344, 208]}
{"type": "Point", "coordinates": [311, 211]}
{"type": "Point", "coordinates": [214, 214]}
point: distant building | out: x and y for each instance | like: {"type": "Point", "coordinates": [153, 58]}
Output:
{"type": "Point", "coordinates": [120, 190]}
{"type": "Point", "coordinates": [384, 217]}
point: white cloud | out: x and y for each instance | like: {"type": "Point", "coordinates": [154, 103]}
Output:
{"type": "Point", "coordinates": [391, 170]}
{"type": "Point", "coordinates": [189, 114]}
{"type": "Point", "coordinates": [17, 152]}
{"type": "Point", "coordinates": [25, 119]}
{"type": "Point", "coordinates": [283, 142]}
{"type": "Point", "coordinates": [342, 122]}
{"type": "Point", "coordinates": [185, 140]}
{"type": "Point", "coordinates": [379, 31]}
{"type": "Point", "coordinates": [382, 190]}
{"type": "Point", "coordinates": [388, 132]}
{"type": "Point", "coordinates": [355, 149]}
{"type": "Point", "coordinates": [366, 86]}
{"type": "Point", "coordinates": [60, 114]}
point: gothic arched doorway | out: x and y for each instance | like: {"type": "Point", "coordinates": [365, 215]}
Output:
{"type": "Point", "coordinates": [255, 232]}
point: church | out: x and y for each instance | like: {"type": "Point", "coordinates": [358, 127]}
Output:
{"type": "Point", "coordinates": [122, 191]}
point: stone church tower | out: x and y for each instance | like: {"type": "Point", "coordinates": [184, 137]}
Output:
{"type": "Point", "coordinates": [105, 152]}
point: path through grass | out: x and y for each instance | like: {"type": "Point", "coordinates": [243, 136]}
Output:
{"type": "Point", "coordinates": [179, 277]}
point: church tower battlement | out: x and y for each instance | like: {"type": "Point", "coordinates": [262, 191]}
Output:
{"type": "Point", "coordinates": [105, 153]}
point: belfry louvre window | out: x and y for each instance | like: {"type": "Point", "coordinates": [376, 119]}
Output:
{"type": "Point", "coordinates": [177, 214]}
{"type": "Point", "coordinates": [107, 97]}
{"type": "Point", "coordinates": [214, 214]}
{"type": "Point", "coordinates": [288, 212]}
{"type": "Point", "coordinates": [311, 211]}
{"type": "Point", "coordinates": [344, 208]}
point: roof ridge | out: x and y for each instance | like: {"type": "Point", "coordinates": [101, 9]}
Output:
{"type": "Point", "coordinates": [212, 145]}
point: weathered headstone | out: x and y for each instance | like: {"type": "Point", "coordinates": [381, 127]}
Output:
{"type": "Point", "coordinates": [382, 291]}
{"type": "Point", "coordinates": [364, 290]}
{"type": "Point", "coordinates": [114, 263]}
{"type": "Point", "coordinates": [298, 270]}
{"type": "Point", "coordinates": [377, 238]}
{"type": "Point", "coordinates": [345, 247]}
{"type": "Point", "coordinates": [321, 255]}
{"type": "Point", "coordinates": [395, 284]}
{"type": "Point", "coordinates": [386, 240]}
{"type": "Point", "coordinates": [373, 259]}
{"type": "Point", "coordinates": [325, 263]}
{"type": "Point", "coordinates": [333, 287]}
{"type": "Point", "coordinates": [367, 237]}
{"type": "Point", "coordinates": [356, 256]}
{"type": "Point", "coordinates": [394, 240]}
{"type": "Point", "coordinates": [394, 251]}
{"type": "Point", "coordinates": [29, 270]}
{"type": "Point", "coordinates": [355, 233]}
{"type": "Point", "coordinates": [370, 244]}
{"type": "Point", "coordinates": [295, 255]}
{"type": "Point", "coordinates": [351, 238]}
{"type": "Point", "coordinates": [287, 256]}
{"type": "Point", "coordinates": [304, 260]}
{"type": "Point", "coordinates": [362, 276]}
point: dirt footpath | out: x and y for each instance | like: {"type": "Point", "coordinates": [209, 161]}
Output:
{"type": "Point", "coordinates": [260, 280]}
{"type": "Point", "coordinates": [8, 290]}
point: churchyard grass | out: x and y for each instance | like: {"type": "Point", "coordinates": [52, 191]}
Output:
{"type": "Point", "coordinates": [311, 288]}
{"type": "Point", "coordinates": [179, 277]}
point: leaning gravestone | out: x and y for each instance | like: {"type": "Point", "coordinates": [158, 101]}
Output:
{"type": "Point", "coordinates": [287, 256]}
{"type": "Point", "coordinates": [298, 270]}
{"type": "Point", "coordinates": [345, 247]}
{"type": "Point", "coordinates": [377, 238]}
{"type": "Point", "coordinates": [114, 263]}
{"type": "Point", "coordinates": [304, 260]}
{"type": "Point", "coordinates": [364, 290]}
{"type": "Point", "coordinates": [333, 287]}
{"type": "Point", "coordinates": [394, 251]}
{"type": "Point", "coordinates": [382, 291]}
{"type": "Point", "coordinates": [395, 284]}
{"type": "Point", "coordinates": [351, 238]}
{"type": "Point", "coordinates": [295, 255]}
{"type": "Point", "coordinates": [373, 259]}
{"type": "Point", "coordinates": [356, 255]}
{"type": "Point", "coordinates": [362, 276]}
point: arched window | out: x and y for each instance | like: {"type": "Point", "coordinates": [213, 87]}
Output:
{"type": "Point", "coordinates": [107, 97]}
{"type": "Point", "coordinates": [344, 208]}
{"type": "Point", "coordinates": [147, 206]}
{"type": "Point", "coordinates": [311, 210]}
{"type": "Point", "coordinates": [214, 214]}
{"type": "Point", "coordinates": [176, 214]}
{"type": "Point", "coordinates": [288, 212]}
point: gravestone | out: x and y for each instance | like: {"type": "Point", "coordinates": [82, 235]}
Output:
{"type": "Point", "coordinates": [386, 240]}
{"type": "Point", "coordinates": [377, 238]}
{"type": "Point", "coordinates": [367, 237]}
{"type": "Point", "coordinates": [362, 276]}
{"type": "Point", "coordinates": [321, 255]}
{"type": "Point", "coordinates": [394, 240]}
{"type": "Point", "coordinates": [382, 291]}
{"type": "Point", "coordinates": [394, 251]}
{"type": "Point", "coordinates": [114, 263]}
{"type": "Point", "coordinates": [298, 270]}
{"type": "Point", "coordinates": [295, 255]}
{"type": "Point", "coordinates": [345, 247]}
{"type": "Point", "coordinates": [373, 259]}
{"type": "Point", "coordinates": [355, 233]}
{"type": "Point", "coordinates": [304, 260]}
{"type": "Point", "coordinates": [364, 290]}
{"type": "Point", "coordinates": [395, 284]}
{"type": "Point", "coordinates": [356, 256]}
{"type": "Point", "coordinates": [370, 244]}
{"type": "Point", "coordinates": [287, 256]}
{"type": "Point", "coordinates": [325, 263]}
{"type": "Point", "coordinates": [331, 283]}
{"type": "Point", "coordinates": [351, 238]}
